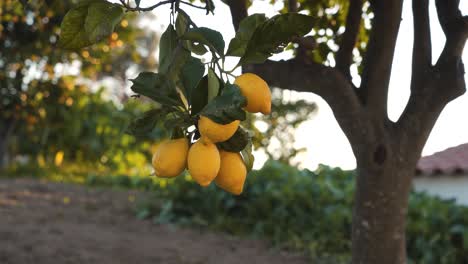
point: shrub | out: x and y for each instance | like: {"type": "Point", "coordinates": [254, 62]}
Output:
{"type": "Point", "coordinates": [307, 211]}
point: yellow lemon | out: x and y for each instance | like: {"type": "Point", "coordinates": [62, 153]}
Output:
{"type": "Point", "coordinates": [257, 92]}
{"type": "Point", "coordinates": [232, 172]}
{"type": "Point", "coordinates": [203, 162]}
{"type": "Point", "coordinates": [170, 157]}
{"type": "Point", "coordinates": [214, 132]}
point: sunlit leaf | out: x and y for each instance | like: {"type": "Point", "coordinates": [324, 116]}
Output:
{"type": "Point", "coordinates": [274, 34]}
{"type": "Point", "coordinates": [101, 20]}
{"type": "Point", "coordinates": [246, 29]}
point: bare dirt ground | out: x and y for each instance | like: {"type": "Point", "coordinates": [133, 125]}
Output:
{"type": "Point", "coordinates": [54, 223]}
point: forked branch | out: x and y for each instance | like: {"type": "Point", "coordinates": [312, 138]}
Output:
{"type": "Point", "coordinates": [344, 55]}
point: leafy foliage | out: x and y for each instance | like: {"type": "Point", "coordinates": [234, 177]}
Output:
{"type": "Point", "coordinates": [226, 107]}
{"type": "Point", "coordinates": [238, 44]}
{"type": "Point", "coordinates": [85, 24]}
{"type": "Point", "coordinates": [309, 211]}
{"type": "Point", "coordinates": [30, 57]}
{"type": "Point", "coordinates": [272, 36]}
{"type": "Point", "coordinates": [67, 118]}
{"type": "Point", "coordinates": [208, 37]}
{"type": "Point", "coordinates": [237, 142]}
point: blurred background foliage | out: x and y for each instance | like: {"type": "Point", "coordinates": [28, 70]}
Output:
{"type": "Point", "coordinates": [59, 106]}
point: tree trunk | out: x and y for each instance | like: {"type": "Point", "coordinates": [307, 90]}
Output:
{"type": "Point", "coordinates": [379, 219]}
{"type": "Point", "coordinates": [6, 129]}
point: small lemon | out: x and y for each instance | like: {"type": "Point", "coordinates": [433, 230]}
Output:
{"type": "Point", "coordinates": [170, 157]}
{"type": "Point", "coordinates": [257, 92]}
{"type": "Point", "coordinates": [232, 172]}
{"type": "Point", "coordinates": [214, 132]}
{"type": "Point", "coordinates": [203, 162]}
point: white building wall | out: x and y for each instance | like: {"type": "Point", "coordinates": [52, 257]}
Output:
{"type": "Point", "coordinates": [444, 186]}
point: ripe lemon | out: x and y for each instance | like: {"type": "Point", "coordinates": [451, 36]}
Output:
{"type": "Point", "coordinates": [232, 172]}
{"type": "Point", "coordinates": [214, 132]}
{"type": "Point", "coordinates": [203, 162]}
{"type": "Point", "coordinates": [170, 157]}
{"type": "Point", "coordinates": [257, 92]}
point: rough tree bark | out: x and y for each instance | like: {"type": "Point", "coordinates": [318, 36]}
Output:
{"type": "Point", "coordinates": [386, 151]}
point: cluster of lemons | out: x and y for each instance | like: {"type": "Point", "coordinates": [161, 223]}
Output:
{"type": "Point", "coordinates": [205, 162]}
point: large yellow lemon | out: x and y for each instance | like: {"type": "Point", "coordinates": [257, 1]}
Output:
{"type": "Point", "coordinates": [257, 92]}
{"type": "Point", "coordinates": [214, 132]}
{"type": "Point", "coordinates": [170, 157]}
{"type": "Point", "coordinates": [232, 173]}
{"type": "Point", "coordinates": [203, 162]}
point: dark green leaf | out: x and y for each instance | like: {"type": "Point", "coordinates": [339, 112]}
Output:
{"type": "Point", "coordinates": [199, 96]}
{"type": "Point", "coordinates": [192, 73]}
{"type": "Point", "coordinates": [146, 123]}
{"type": "Point", "coordinates": [88, 22]}
{"type": "Point", "coordinates": [167, 46]}
{"type": "Point", "coordinates": [206, 36]}
{"type": "Point", "coordinates": [72, 32]}
{"type": "Point", "coordinates": [156, 87]}
{"type": "Point", "coordinates": [198, 49]}
{"type": "Point", "coordinates": [247, 156]}
{"type": "Point", "coordinates": [137, 3]}
{"type": "Point", "coordinates": [213, 85]}
{"type": "Point", "coordinates": [237, 142]}
{"type": "Point", "coordinates": [182, 23]}
{"type": "Point", "coordinates": [227, 107]}
{"type": "Point", "coordinates": [101, 20]}
{"type": "Point", "coordinates": [274, 34]}
{"type": "Point", "coordinates": [246, 29]}
{"type": "Point", "coordinates": [178, 59]}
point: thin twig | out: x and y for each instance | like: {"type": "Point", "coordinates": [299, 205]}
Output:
{"type": "Point", "coordinates": [192, 5]}
{"type": "Point", "coordinates": [149, 8]}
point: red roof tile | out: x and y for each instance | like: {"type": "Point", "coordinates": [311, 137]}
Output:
{"type": "Point", "coordinates": [450, 161]}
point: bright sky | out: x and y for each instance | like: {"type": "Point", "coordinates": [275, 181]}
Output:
{"type": "Point", "coordinates": [323, 138]}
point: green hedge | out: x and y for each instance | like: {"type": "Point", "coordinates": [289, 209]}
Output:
{"type": "Point", "coordinates": [301, 210]}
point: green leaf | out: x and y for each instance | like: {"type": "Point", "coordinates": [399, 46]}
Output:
{"type": "Point", "coordinates": [247, 156]}
{"type": "Point", "coordinates": [156, 87]}
{"type": "Point", "coordinates": [213, 84]}
{"type": "Point", "coordinates": [237, 142]}
{"type": "Point", "coordinates": [88, 22]}
{"type": "Point", "coordinates": [206, 36]}
{"type": "Point", "coordinates": [246, 29]}
{"type": "Point", "coordinates": [101, 20]}
{"type": "Point", "coordinates": [227, 107]}
{"type": "Point", "coordinates": [199, 97]}
{"type": "Point", "coordinates": [167, 45]}
{"type": "Point", "coordinates": [192, 73]}
{"type": "Point", "coordinates": [146, 123]}
{"type": "Point", "coordinates": [72, 32]}
{"type": "Point", "coordinates": [198, 49]}
{"type": "Point", "coordinates": [275, 33]}
{"type": "Point", "coordinates": [182, 23]}
{"type": "Point", "coordinates": [177, 61]}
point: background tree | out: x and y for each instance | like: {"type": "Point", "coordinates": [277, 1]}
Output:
{"type": "Point", "coordinates": [30, 56]}
{"type": "Point", "coordinates": [386, 151]}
